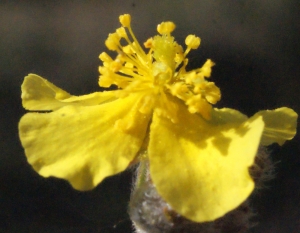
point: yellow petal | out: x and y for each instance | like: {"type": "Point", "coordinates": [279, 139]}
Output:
{"type": "Point", "coordinates": [280, 125]}
{"type": "Point", "coordinates": [227, 116]}
{"type": "Point", "coordinates": [39, 94]}
{"type": "Point", "coordinates": [201, 170]}
{"type": "Point", "coordinates": [83, 144]}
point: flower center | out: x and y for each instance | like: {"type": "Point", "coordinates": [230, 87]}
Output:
{"type": "Point", "coordinates": [160, 72]}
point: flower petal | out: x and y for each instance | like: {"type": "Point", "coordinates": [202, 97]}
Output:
{"type": "Point", "coordinates": [280, 125]}
{"type": "Point", "coordinates": [200, 169]}
{"type": "Point", "coordinates": [84, 144]}
{"type": "Point", "coordinates": [227, 116]}
{"type": "Point", "coordinates": [40, 95]}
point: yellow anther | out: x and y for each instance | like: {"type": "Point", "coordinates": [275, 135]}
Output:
{"type": "Point", "coordinates": [105, 79]}
{"type": "Point", "coordinates": [212, 93]}
{"type": "Point", "coordinates": [112, 42]}
{"type": "Point", "coordinates": [116, 65]}
{"type": "Point", "coordinates": [102, 70]}
{"type": "Point", "coordinates": [166, 27]}
{"type": "Point", "coordinates": [194, 103]}
{"type": "Point", "coordinates": [192, 41]}
{"type": "Point", "coordinates": [111, 45]}
{"type": "Point", "coordinates": [105, 57]}
{"type": "Point", "coordinates": [121, 32]}
{"type": "Point", "coordinates": [178, 89]}
{"type": "Point", "coordinates": [200, 87]}
{"type": "Point", "coordinates": [125, 20]}
{"type": "Point", "coordinates": [127, 49]}
{"type": "Point", "coordinates": [190, 77]}
{"type": "Point", "coordinates": [148, 43]}
{"type": "Point", "coordinates": [114, 37]}
{"type": "Point", "coordinates": [206, 68]}
{"type": "Point", "coordinates": [209, 91]}
{"type": "Point", "coordinates": [197, 104]}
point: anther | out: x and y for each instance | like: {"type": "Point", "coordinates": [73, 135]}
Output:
{"type": "Point", "coordinates": [192, 41]}
{"type": "Point", "coordinates": [112, 42]}
{"type": "Point", "coordinates": [121, 32]}
{"type": "Point", "coordinates": [206, 68]}
{"type": "Point", "coordinates": [125, 20]}
{"type": "Point", "coordinates": [166, 27]}
{"type": "Point", "coordinates": [105, 57]}
{"type": "Point", "coordinates": [148, 43]}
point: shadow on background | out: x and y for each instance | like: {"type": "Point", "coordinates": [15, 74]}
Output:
{"type": "Point", "coordinates": [255, 45]}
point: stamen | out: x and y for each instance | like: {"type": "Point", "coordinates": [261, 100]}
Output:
{"type": "Point", "coordinates": [160, 74]}
{"type": "Point", "coordinates": [192, 42]}
{"type": "Point", "coordinates": [166, 28]}
{"type": "Point", "coordinates": [108, 77]}
{"type": "Point", "coordinates": [148, 43]}
{"type": "Point", "coordinates": [105, 57]}
{"type": "Point", "coordinates": [197, 104]}
{"type": "Point", "coordinates": [113, 41]}
{"type": "Point", "coordinates": [121, 32]}
{"type": "Point", "coordinates": [206, 68]}
{"type": "Point", "coordinates": [125, 20]}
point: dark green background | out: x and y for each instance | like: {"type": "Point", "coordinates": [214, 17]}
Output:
{"type": "Point", "coordinates": [255, 45]}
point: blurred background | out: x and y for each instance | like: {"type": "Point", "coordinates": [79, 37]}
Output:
{"type": "Point", "coordinates": [255, 45]}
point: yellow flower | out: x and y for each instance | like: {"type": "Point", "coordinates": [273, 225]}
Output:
{"type": "Point", "coordinates": [199, 156]}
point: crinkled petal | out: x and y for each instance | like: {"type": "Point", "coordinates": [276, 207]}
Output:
{"type": "Point", "coordinates": [40, 95]}
{"type": "Point", "coordinates": [201, 169]}
{"type": "Point", "coordinates": [227, 116]}
{"type": "Point", "coordinates": [280, 125]}
{"type": "Point", "coordinates": [84, 144]}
